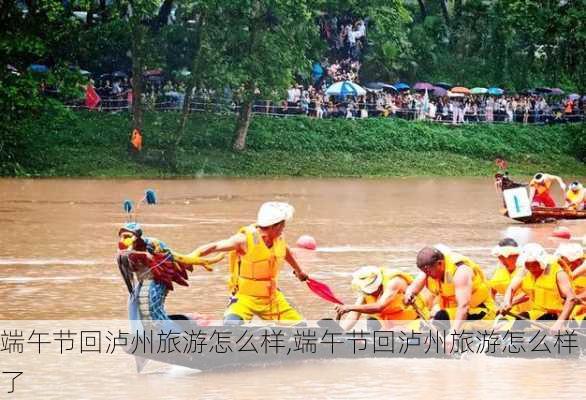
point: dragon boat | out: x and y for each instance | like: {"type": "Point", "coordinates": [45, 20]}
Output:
{"type": "Point", "coordinates": [150, 270]}
{"type": "Point", "coordinates": [536, 214]}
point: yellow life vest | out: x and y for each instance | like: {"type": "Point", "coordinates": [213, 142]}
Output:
{"type": "Point", "coordinates": [541, 187]}
{"type": "Point", "coordinates": [579, 283]}
{"type": "Point", "coordinates": [543, 291]}
{"type": "Point", "coordinates": [573, 197]}
{"type": "Point", "coordinates": [500, 282]}
{"type": "Point", "coordinates": [255, 272]}
{"type": "Point", "coordinates": [396, 310]}
{"type": "Point", "coordinates": [445, 289]}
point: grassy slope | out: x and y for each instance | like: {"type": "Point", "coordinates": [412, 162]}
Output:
{"type": "Point", "coordinates": [94, 144]}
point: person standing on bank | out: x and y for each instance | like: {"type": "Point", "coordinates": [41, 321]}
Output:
{"type": "Point", "coordinates": [256, 255]}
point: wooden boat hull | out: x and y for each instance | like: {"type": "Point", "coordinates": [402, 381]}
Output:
{"type": "Point", "coordinates": [543, 214]}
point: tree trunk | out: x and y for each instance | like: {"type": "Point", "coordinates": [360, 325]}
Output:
{"type": "Point", "coordinates": [244, 117]}
{"type": "Point", "coordinates": [192, 83]}
{"type": "Point", "coordinates": [458, 9]}
{"type": "Point", "coordinates": [138, 35]}
{"type": "Point", "coordinates": [245, 113]}
{"type": "Point", "coordinates": [422, 9]}
{"type": "Point", "coordinates": [138, 32]}
{"type": "Point", "coordinates": [445, 11]}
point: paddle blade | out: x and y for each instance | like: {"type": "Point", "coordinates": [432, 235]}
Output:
{"type": "Point", "coordinates": [323, 291]}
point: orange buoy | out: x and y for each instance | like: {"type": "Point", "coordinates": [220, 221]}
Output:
{"type": "Point", "coordinates": [306, 242]}
{"type": "Point", "coordinates": [562, 232]}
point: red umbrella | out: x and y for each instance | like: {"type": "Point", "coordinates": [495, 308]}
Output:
{"type": "Point", "coordinates": [323, 291]}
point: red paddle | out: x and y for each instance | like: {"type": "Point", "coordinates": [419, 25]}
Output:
{"type": "Point", "coordinates": [323, 291]}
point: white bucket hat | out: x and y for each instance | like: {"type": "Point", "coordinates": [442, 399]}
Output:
{"type": "Point", "coordinates": [576, 186]}
{"type": "Point", "coordinates": [572, 251]}
{"type": "Point", "coordinates": [273, 212]}
{"type": "Point", "coordinates": [533, 252]}
{"type": "Point", "coordinates": [367, 279]}
{"type": "Point", "coordinates": [505, 251]}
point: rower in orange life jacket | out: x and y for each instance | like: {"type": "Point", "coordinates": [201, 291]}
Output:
{"type": "Point", "coordinates": [539, 188]}
{"type": "Point", "coordinates": [547, 284]}
{"type": "Point", "coordinates": [575, 197]}
{"type": "Point", "coordinates": [458, 284]}
{"type": "Point", "coordinates": [570, 256]}
{"type": "Point", "coordinates": [380, 296]}
{"type": "Point", "coordinates": [257, 253]}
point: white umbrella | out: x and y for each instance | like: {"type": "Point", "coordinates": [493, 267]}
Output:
{"type": "Point", "coordinates": [345, 88]}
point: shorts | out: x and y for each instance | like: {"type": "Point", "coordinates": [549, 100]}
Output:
{"type": "Point", "coordinates": [276, 308]}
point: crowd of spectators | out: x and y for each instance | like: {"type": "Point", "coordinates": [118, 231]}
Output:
{"type": "Point", "coordinates": [416, 106]}
{"type": "Point", "coordinates": [346, 37]}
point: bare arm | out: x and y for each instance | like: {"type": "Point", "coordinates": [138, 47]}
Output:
{"type": "Point", "coordinates": [581, 270]}
{"type": "Point", "coordinates": [559, 180]}
{"type": "Point", "coordinates": [415, 287]}
{"type": "Point", "coordinates": [350, 320]}
{"type": "Point", "coordinates": [463, 289]}
{"type": "Point", "coordinates": [565, 288]}
{"type": "Point", "coordinates": [232, 243]}
{"type": "Point", "coordinates": [302, 276]}
{"type": "Point", "coordinates": [511, 290]}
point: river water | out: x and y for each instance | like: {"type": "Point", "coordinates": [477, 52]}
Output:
{"type": "Point", "coordinates": [58, 244]}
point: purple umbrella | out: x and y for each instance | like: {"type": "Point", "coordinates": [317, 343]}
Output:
{"type": "Point", "coordinates": [557, 91]}
{"type": "Point", "coordinates": [423, 86]}
{"type": "Point", "coordinates": [439, 91]}
{"type": "Point", "coordinates": [574, 96]}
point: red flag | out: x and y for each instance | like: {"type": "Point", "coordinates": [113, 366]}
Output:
{"type": "Point", "coordinates": [91, 97]}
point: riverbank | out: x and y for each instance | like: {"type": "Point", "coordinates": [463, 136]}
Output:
{"type": "Point", "coordinates": [88, 144]}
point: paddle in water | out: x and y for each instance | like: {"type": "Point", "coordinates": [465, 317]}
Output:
{"type": "Point", "coordinates": [323, 291]}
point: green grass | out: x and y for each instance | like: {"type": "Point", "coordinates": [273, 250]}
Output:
{"type": "Point", "coordinates": [94, 145]}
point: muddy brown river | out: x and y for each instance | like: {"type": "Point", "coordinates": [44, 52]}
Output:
{"type": "Point", "coordinates": [57, 262]}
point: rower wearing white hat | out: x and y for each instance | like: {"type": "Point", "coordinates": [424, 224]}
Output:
{"type": "Point", "coordinates": [380, 296]}
{"type": "Point", "coordinates": [257, 253]}
{"type": "Point", "coordinates": [547, 284]}
{"type": "Point", "coordinates": [507, 251]}
{"type": "Point", "coordinates": [575, 198]}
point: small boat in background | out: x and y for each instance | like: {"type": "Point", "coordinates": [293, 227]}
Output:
{"type": "Point", "coordinates": [534, 214]}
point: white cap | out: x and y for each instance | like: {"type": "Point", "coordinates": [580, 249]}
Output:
{"type": "Point", "coordinates": [505, 251]}
{"type": "Point", "coordinates": [533, 252]}
{"type": "Point", "coordinates": [273, 212]}
{"type": "Point", "coordinates": [367, 279]}
{"type": "Point", "coordinates": [572, 251]}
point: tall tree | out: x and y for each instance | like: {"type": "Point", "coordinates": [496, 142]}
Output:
{"type": "Point", "coordinates": [268, 42]}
